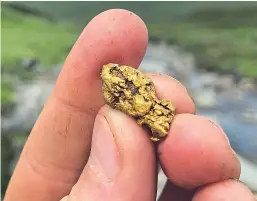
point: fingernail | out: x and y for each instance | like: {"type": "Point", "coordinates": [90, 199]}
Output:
{"type": "Point", "coordinates": [104, 156]}
{"type": "Point", "coordinates": [65, 198]}
{"type": "Point", "coordinates": [217, 126]}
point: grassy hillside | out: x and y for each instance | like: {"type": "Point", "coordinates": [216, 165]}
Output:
{"type": "Point", "coordinates": [220, 34]}
{"type": "Point", "coordinates": [151, 12]}
{"type": "Point", "coordinates": [26, 36]}
{"type": "Point", "coordinates": [215, 49]}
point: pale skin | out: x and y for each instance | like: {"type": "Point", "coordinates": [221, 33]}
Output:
{"type": "Point", "coordinates": [58, 162]}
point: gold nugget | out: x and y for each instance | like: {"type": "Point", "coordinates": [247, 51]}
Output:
{"type": "Point", "coordinates": [130, 91]}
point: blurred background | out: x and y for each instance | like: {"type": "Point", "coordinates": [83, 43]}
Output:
{"type": "Point", "coordinates": [211, 47]}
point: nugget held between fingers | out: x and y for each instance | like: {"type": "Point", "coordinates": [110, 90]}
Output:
{"type": "Point", "coordinates": [130, 91]}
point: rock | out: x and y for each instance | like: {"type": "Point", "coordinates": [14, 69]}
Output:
{"type": "Point", "coordinates": [29, 64]}
{"type": "Point", "coordinates": [207, 79]}
{"type": "Point", "coordinates": [149, 65]}
{"type": "Point", "coordinates": [224, 83]}
{"type": "Point", "coordinates": [247, 84]}
{"type": "Point", "coordinates": [250, 115]}
{"type": "Point", "coordinates": [205, 98]}
{"type": "Point", "coordinates": [171, 60]}
{"type": "Point", "coordinates": [30, 98]}
{"type": "Point", "coordinates": [248, 173]}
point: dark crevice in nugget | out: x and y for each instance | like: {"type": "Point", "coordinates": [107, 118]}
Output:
{"type": "Point", "coordinates": [115, 100]}
{"type": "Point", "coordinates": [120, 75]}
{"type": "Point", "coordinates": [132, 87]}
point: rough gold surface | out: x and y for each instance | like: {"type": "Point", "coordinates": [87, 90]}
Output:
{"type": "Point", "coordinates": [130, 91]}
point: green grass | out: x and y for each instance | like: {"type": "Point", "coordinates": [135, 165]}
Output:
{"type": "Point", "coordinates": [31, 37]}
{"type": "Point", "coordinates": [7, 97]}
{"type": "Point", "coordinates": [25, 36]}
{"type": "Point", "coordinates": [217, 49]}
{"type": "Point", "coordinates": [6, 93]}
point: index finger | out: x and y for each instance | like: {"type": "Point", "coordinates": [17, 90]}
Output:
{"type": "Point", "coordinates": [59, 144]}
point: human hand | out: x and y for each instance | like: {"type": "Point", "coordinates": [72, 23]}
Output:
{"type": "Point", "coordinates": [57, 160]}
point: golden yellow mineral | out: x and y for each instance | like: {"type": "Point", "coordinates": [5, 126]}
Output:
{"type": "Point", "coordinates": [130, 91]}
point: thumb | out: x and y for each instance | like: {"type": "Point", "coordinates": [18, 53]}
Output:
{"type": "Point", "coordinates": [121, 165]}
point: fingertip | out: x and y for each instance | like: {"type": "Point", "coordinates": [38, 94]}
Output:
{"type": "Point", "coordinates": [197, 152]}
{"type": "Point", "coordinates": [226, 191]}
{"type": "Point", "coordinates": [115, 35]}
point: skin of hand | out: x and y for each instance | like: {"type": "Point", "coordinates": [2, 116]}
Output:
{"type": "Point", "coordinates": [81, 148]}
